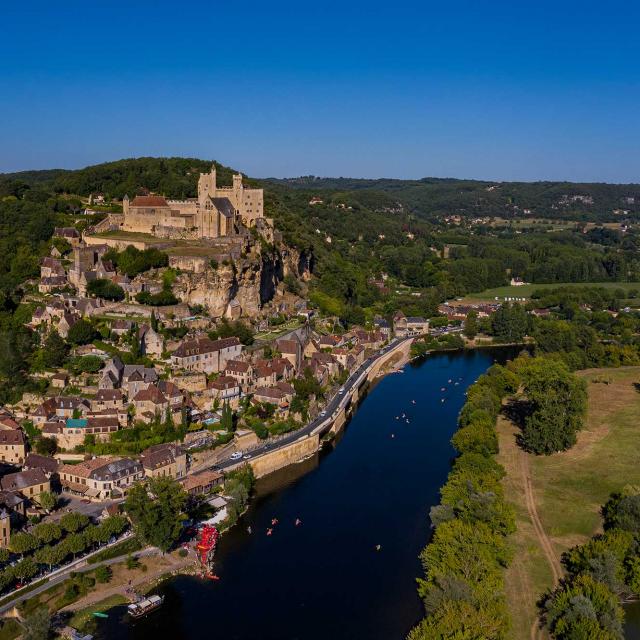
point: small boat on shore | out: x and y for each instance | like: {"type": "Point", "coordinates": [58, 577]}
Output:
{"type": "Point", "coordinates": [142, 607]}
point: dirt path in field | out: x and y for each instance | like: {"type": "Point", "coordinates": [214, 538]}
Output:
{"type": "Point", "coordinates": [543, 539]}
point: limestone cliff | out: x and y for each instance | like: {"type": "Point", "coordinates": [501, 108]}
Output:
{"type": "Point", "coordinates": [244, 286]}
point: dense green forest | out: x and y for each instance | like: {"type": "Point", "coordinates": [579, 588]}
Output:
{"type": "Point", "coordinates": [432, 197]}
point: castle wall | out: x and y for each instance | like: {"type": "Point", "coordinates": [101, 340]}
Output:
{"type": "Point", "coordinates": [192, 218]}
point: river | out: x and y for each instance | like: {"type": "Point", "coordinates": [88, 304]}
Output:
{"type": "Point", "coordinates": [324, 578]}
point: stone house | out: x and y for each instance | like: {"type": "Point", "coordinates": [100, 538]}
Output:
{"type": "Point", "coordinates": [283, 368]}
{"type": "Point", "coordinates": [136, 377]}
{"type": "Point", "coordinates": [66, 322]}
{"type": "Point", "coordinates": [272, 395]}
{"type": "Point", "coordinates": [111, 375]}
{"type": "Point", "coordinates": [203, 354]}
{"type": "Point", "coordinates": [417, 326]}
{"type": "Point", "coordinates": [150, 403]}
{"type": "Point", "coordinates": [30, 483]}
{"type": "Point", "coordinates": [224, 389]}
{"type": "Point", "coordinates": [51, 283]}
{"type": "Point", "coordinates": [121, 327]}
{"type": "Point", "coordinates": [291, 350]}
{"type": "Point", "coordinates": [70, 234]}
{"type": "Point", "coordinates": [328, 361]}
{"type": "Point", "coordinates": [100, 478]}
{"type": "Point", "coordinates": [201, 483]}
{"type": "Point", "coordinates": [340, 354]}
{"type": "Point", "coordinates": [59, 380]}
{"type": "Point", "coordinates": [48, 465]}
{"type": "Point", "coordinates": [264, 376]}
{"type": "Point", "coordinates": [106, 399]}
{"type": "Point", "coordinates": [50, 267]}
{"type": "Point", "coordinates": [13, 449]}
{"type": "Point", "coordinates": [358, 354]}
{"type": "Point", "coordinates": [404, 327]}
{"type": "Point", "coordinates": [241, 371]}
{"type": "Point", "coordinates": [73, 431]}
{"type": "Point", "coordinates": [162, 460]}
{"type": "Point", "coordinates": [151, 342]}
{"type": "Point", "coordinates": [174, 395]}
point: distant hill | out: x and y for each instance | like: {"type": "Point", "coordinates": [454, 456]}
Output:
{"type": "Point", "coordinates": [434, 197]}
{"type": "Point", "coordinates": [173, 177]}
{"type": "Point", "coordinates": [427, 198]}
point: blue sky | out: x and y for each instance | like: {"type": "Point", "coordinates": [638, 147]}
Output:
{"type": "Point", "coordinates": [477, 89]}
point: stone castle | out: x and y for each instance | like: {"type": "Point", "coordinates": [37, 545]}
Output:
{"type": "Point", "coordinates": [217, 211]}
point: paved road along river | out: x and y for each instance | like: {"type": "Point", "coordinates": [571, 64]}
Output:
{"type": "Point", "coordinates": [324, 578]}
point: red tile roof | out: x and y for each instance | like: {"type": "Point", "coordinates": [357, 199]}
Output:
{"type": "Point", "coordinates": [149, 201]}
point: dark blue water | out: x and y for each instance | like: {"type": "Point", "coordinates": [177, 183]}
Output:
{"type": "Point", "coordinates": [325, 579]}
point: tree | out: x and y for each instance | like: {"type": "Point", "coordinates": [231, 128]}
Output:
{"type": "Point", "coordinates": [75, 543]}
{"type": "Point", "coordinates": [583, 608]}
{"type": "Point", "coordinates": [48, 501]}
{"type": "Point", "coordinates": [49, 555]}
{"type": "Point", "coordinates": [37, 626]}
{"type": "Point", "coordinates": [471, 325]}
{"type": "Point", "coordinates": [82, 332]}
{"type": "Point", "coordinates": [55, 351]}
{"type": "Point", "coordinates": [226, 420]}
{"type": "Point", "coordinates": [23, 543]}
{"type": "Point", "coordinates": [510, 323]}
{"type": "Point", "coordinates": [156, 509]}
{"type": "Point", "coordinates": [103, 288]}
{"type": "Point", "coordinates": [103, 574]}
{"type": "Point", "coordinates": [46, 446]}
{"type": "Point", "coordinates": [74, 521]}
{"type": "Point", "coordinates": [622, 511]}
{"type": "Point", "coordinates": [25, 569]}
{"type": "Point", "coordinates": [4, 555]}
{"type": "Point", "coordinates": [47, 532]}
{"type": "Point", "coordinates": [557, 401]}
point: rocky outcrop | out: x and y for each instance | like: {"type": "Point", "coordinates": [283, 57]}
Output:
{"type": "Point", "coordinates": [251, 281]}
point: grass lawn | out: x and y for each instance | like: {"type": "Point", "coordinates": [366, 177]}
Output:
{"type": "Point", "coordinates": [570, 487]}
{"type": "Point", "coordinates": [10, 629]}
{"type": "Point", "coordinates": [276, 332]}
{"type": "Point", "coordinates": [526, 290]}
{"type": "Point", "coordinates": [123, 548]}
{"type": "Point", "coordinates": [81, 619]}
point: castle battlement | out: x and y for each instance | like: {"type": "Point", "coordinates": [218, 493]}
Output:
{"type": "Point", "coordinates": [216, 212]}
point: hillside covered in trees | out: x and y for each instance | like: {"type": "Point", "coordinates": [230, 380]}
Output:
{"type": "Point", "coordinates": [430, 198]}
{"type": "Point", "coordinates": [356, 231]}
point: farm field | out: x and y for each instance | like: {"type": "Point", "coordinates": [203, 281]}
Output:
{"type": "Point", "coordinates": [525, 291]}
{"type": "Point", "coordinates": [560, 495]}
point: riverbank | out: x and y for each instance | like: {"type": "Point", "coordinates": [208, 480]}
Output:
{"type": "Point", "coordinates": [327, 569]}
{"type": "Point", "coordinates": [385, 363]}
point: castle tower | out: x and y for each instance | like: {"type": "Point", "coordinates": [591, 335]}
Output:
{"type": "Point", "coordinates": [207, 185]}
{"type": "Point", "coordinates": [125, 204]}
